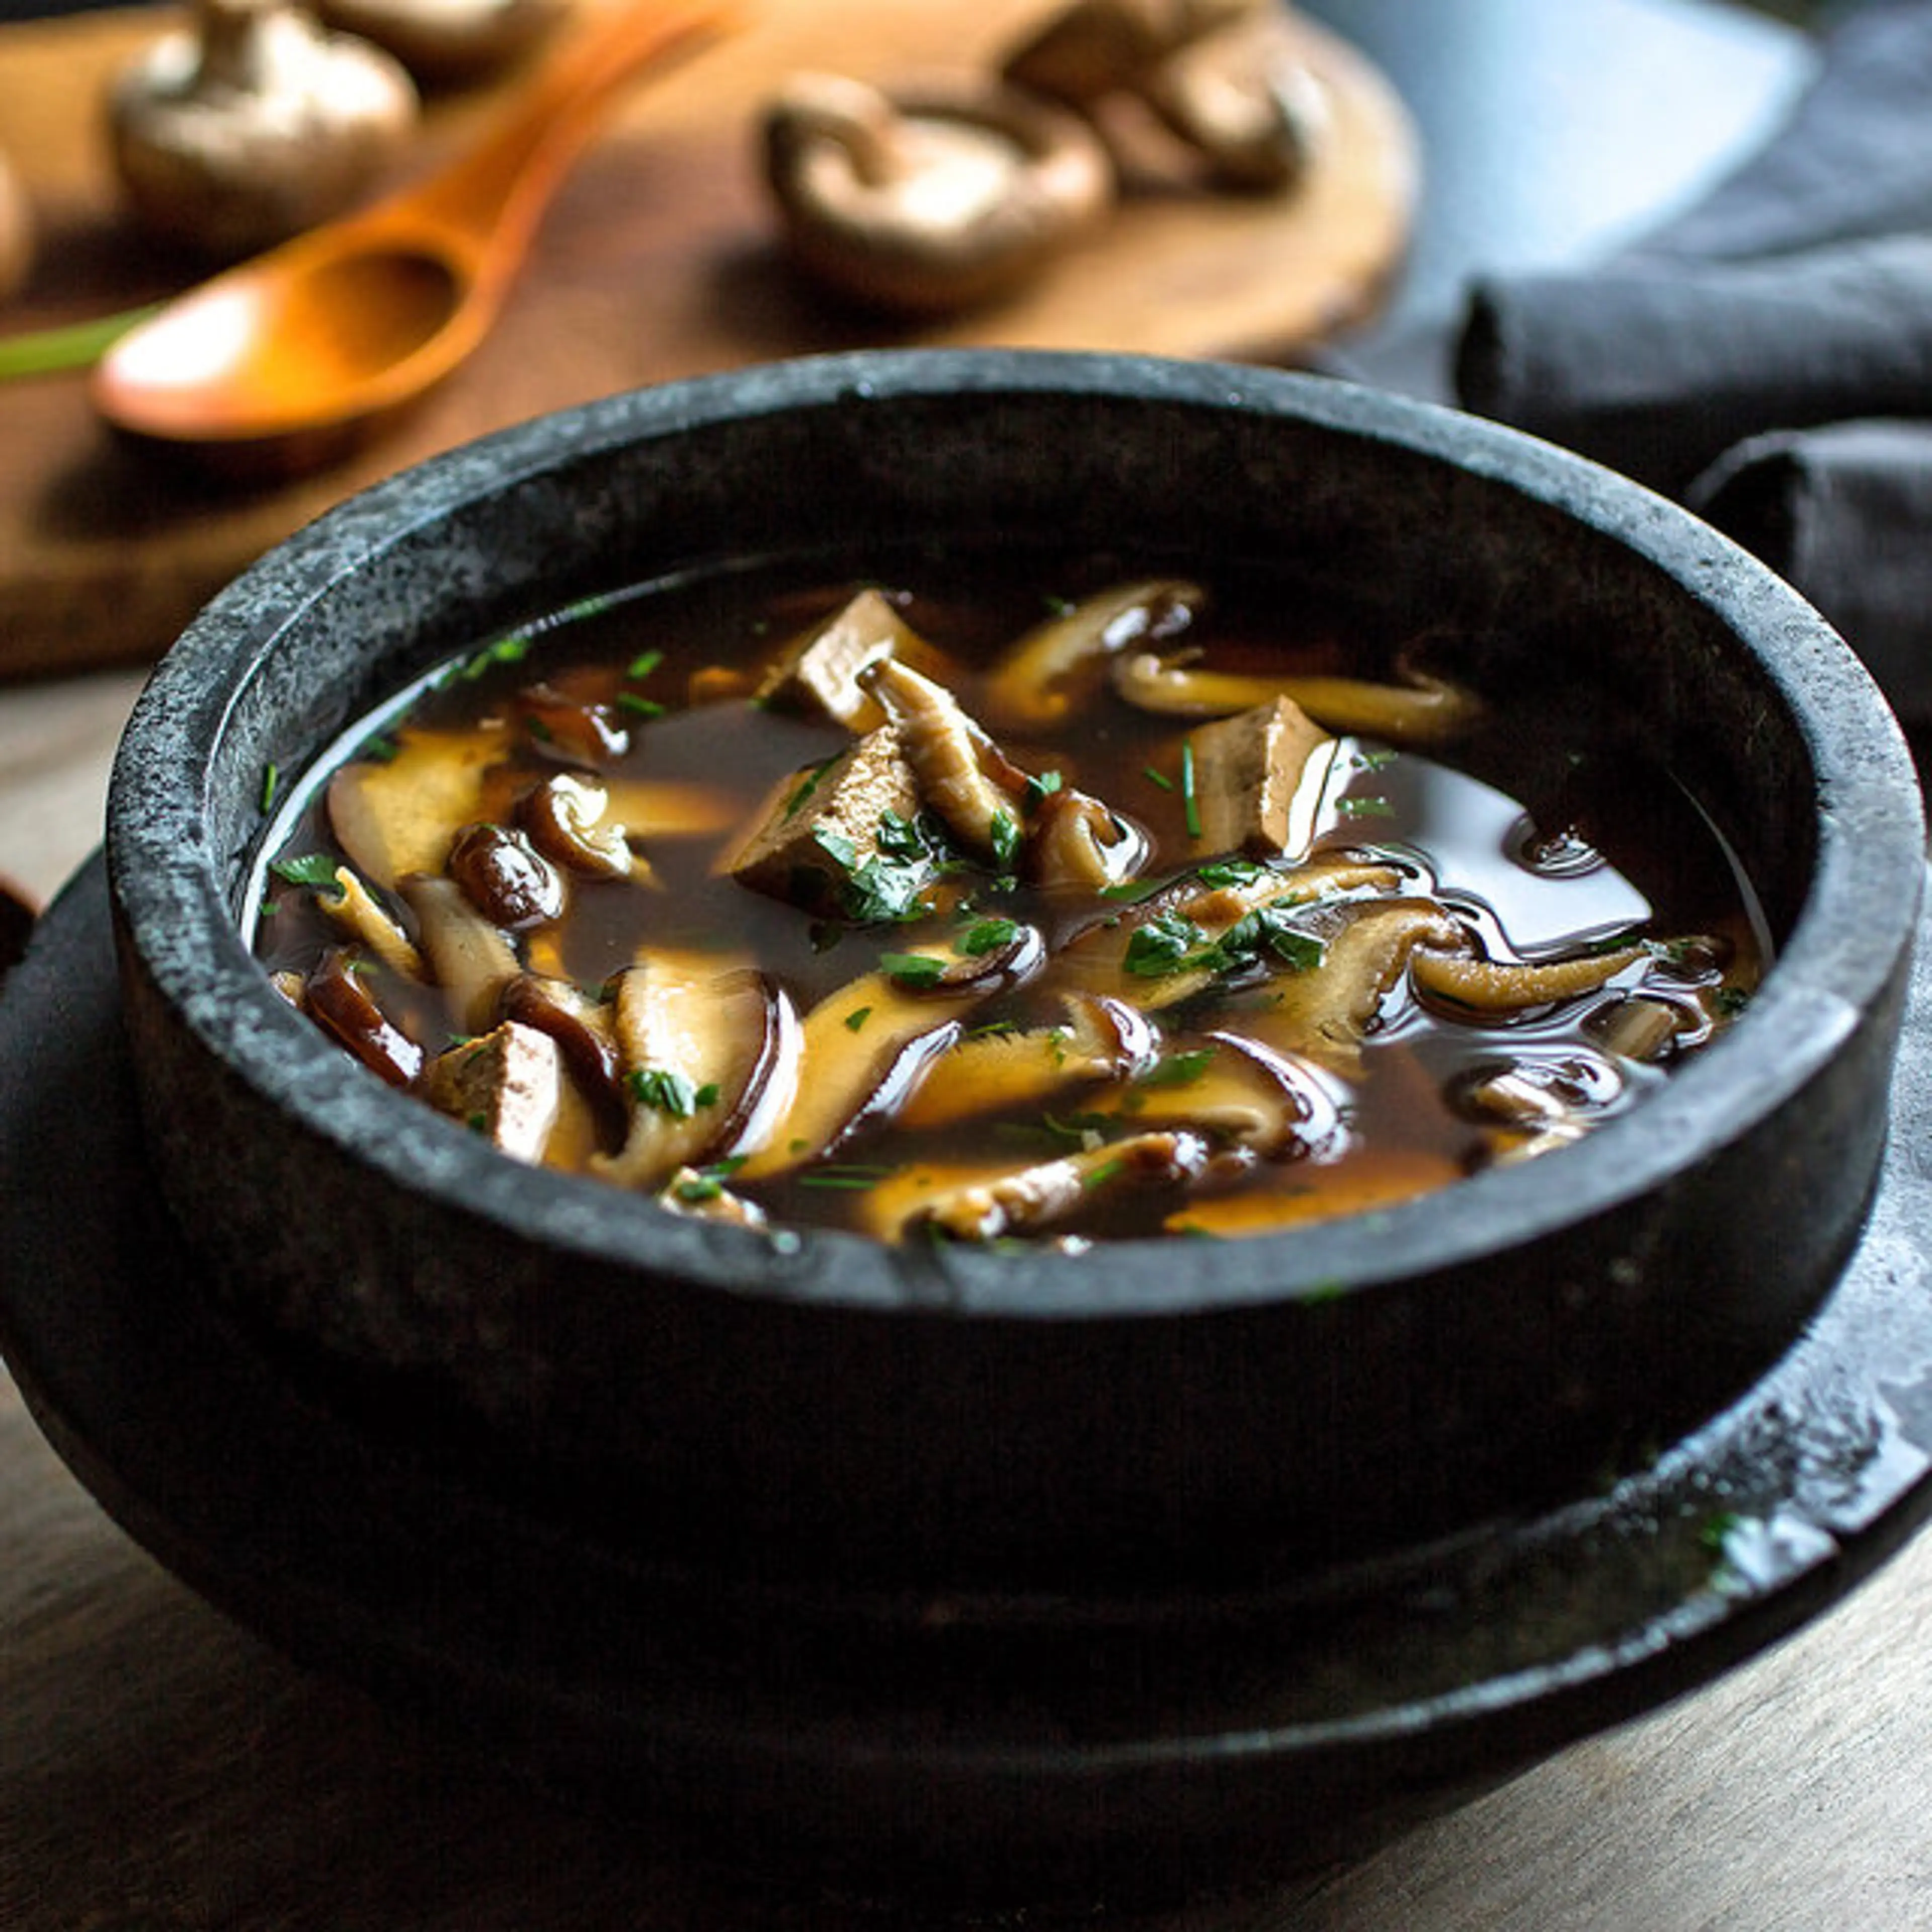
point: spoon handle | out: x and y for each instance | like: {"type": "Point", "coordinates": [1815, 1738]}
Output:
{"type": "Point", "coordinates": [494, 192]}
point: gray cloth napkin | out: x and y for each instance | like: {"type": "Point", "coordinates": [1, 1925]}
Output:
{"type": "Point", "coordinates": [1746, 355]}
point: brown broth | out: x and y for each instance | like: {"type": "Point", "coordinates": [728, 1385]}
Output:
{"type": "Point", "coordinates": [1603, 848]}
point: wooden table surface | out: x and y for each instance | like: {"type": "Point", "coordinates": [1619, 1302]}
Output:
{"type": "Point", "coordinates": [161, 1768]}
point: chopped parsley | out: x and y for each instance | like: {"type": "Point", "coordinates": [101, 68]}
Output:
{"type": "Point", "coordinates": [665, 1091]}
{"type": "Point", "coordinates": [986, 935]}
{"type": "Point", "coordinates": [272, 779]}
{"type": "Point", "coordinates": [854, 1174]}
{"type": "Point", "coordinates": [1040, 787]}
{"type": "Point", "coordinates": [1178, 1069]}
{"type": "Point", "coordinates": [310, 868]}
{"type": "Point", "coordinates": [1190, 804]}
{"type": "Point", "coordinates": [857, 1018]}
{"type": "Point", "coordinates": [914, 970]}
{"type": "Point", "coordinates": [1230, 872]}
{"type": "Point", "coordinates": [511, 649]}
{"type": "Point", "coordinates": [1004, 832]}
{"type": "Point", "coordinates": [1373, 806]}
{"type": "Point", "coordinates": [1170, 943]}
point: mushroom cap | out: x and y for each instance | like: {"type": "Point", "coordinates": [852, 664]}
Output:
{"type": "Point", "coordinates": [254, 125]}
{"type": "Point", "coordinates": [447, 39]}
{"type": "Point", "coordinates": [933, 197]}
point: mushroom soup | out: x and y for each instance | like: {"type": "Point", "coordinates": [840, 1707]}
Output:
{"type": "Point", "coordinates": [981, 910]}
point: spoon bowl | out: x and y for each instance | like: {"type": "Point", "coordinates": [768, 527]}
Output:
{"type": "Point", "coordinates": [298, 352]}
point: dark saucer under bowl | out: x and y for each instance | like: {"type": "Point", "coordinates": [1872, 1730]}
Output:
{"type": "Point", "coordinates": [811, 1406]}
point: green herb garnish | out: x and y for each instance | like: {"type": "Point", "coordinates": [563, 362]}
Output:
{"type": "Point", "coordinates": [986, 935]}
{"type": "Point", "coordinates": [1178, 1069]}
{"type": "Point", "coordinates": [665, 1091]}
{"type": "Point", "coordinates": [310, 868]}
{"type": "Point", "coordinates": [914, 970]}
{"type": "Point", "coordinates": [511, 649]}
{"type": "Point", "coordinates": [1004, 832]}
{"type": "Point", "coordinates": [1190, 805]}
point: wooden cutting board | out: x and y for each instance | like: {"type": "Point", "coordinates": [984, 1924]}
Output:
{"type": "Point", "coordinates": [658, 259]}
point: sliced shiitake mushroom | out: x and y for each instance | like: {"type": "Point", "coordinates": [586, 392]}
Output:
{"type": "Point", "coordinates": [986, 1206]}
{"type": "Point", "coordinates": [569, 820]}
{"type": "Point", "coordinates": [1040, 677]}
{"type": "Point", "coordinates": [961, 775]}
{"type": "Point", "coordinates": [1423, 710]}
{"type": "Point", "coordinates": [1074, 841]}
{"type": "Point", "coordinates": [470, 957]}
{"type": "Point", "coordinates": [1469, 979]}
{"type": "Point", "coordinates": [1232, 1092]}
{"type": "Point", "coordinates": [1356, 1185]}
{"type": "Point", "coordinates": [1324, 1012]}
{"type": "Point", "coordinates": [397, 815]}
{"type": "Point", "coordinates": [335, 995]}
{"type": "Point", "coordinates": [1007, 1068]}
{"type": "Point", "coordinates": [710, 1052]}
{"type": "Point", "coordinates": [865, 1044]}
{"type": "Point", "coordinates": [353, 908]}
{"type": "Point", "coordinates": [1177, 943]}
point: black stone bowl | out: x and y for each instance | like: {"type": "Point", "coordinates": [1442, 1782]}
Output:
{"type": "Point", "coordinates": [812, 1409]}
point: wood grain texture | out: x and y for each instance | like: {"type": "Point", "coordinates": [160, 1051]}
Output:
{"type": "Point", "coordinates": [657, 259]}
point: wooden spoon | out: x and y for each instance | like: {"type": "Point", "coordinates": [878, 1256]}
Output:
{"type": "Point", "coordinates": [289, 357]}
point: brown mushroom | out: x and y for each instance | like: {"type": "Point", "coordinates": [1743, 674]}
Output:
{"type": "Point", "coordinates": [1482, 985]}
{"type": "Point", "coordinates": [1423, 710]}
{"type": "Point", "coordinates": [334, 996]}
{"type": "Point", "coordinates": [710, 1051]}
{"type": "Point", "coordinates": [1324, 1013]}
{"type": "Point", "coordinates": [960, 772]}
{"type": "Point", "coordinates": [1094, 48]}
{"type": "Point", "coordinates": [1072, 840]}
{"type": "Point", "coordinates": [353, 907]}
{"type": "Point", "coordinates": [254, 123]}
{"type": "Point", "coordinates": [1244, 99]}
{"type": "Point", "coordinates": [505, 878]}
{"type": "Point", "coordinates": [863, 1048]}
{"type": "Point", "coordinates": [395, 816]}
{"type": "Point", "coordinates": [1040, 676]}
{"type": "Point", "coordinates": [1010, 1067]}
{"type": "Point", "coordinates": [447, 39]}
{"type": "Point", "coordinates": [986, 1206]}
{"type": "Point", "coordinates": [933, 198]}
{"type": "Point", "coordinates": [470, 957]}
{"type": "Point", "coordinates": [569, 819]}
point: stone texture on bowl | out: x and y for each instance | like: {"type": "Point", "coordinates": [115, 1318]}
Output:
{"type": "Point", "coordinates": [815, 1406]}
